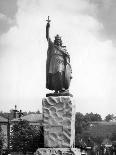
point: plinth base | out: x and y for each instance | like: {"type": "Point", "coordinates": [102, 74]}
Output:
{"type": "Point", "coordinates": [59, 94]}
{"type": "Point", "coordinates": [57, 151]}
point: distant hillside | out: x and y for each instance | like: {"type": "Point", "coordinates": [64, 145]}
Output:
{"type": "Point", "coordinates": [101, 129]}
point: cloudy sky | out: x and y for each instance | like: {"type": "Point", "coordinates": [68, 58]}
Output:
{"type": "Point", "coordinates": [88, 30]}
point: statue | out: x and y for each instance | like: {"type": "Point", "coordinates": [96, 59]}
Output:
{"type": "Point", "coordinates": [58, 68]}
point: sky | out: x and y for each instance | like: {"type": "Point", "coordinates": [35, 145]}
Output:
{"type": "Point", "coordinates": [88, 30]}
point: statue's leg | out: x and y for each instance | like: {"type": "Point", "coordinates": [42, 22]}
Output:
{"type": "Point", "coordinates": [49, 81]}
{"type": "Point", "coordinates": [67, 77]}
{"type": "Point", "coordinates": [57, 81]}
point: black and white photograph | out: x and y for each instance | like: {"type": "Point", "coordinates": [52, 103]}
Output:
{"type": "Point", "coordinates": [57, 77]}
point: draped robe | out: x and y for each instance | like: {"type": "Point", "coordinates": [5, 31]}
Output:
{"type": "Point", "coordinates": [58, 69]}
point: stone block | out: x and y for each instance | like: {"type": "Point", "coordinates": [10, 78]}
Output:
{"type": "Point", "coordinates": [58, 121]}
{"type": "Point", "coordinates": [58, 151]}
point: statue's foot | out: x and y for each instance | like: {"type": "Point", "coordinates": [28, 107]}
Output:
{"type": "Point", "coordinates": [63, 92]}
{"type": "Point", "coordinates": [66, 93]}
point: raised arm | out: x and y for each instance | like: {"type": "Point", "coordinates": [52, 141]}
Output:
{"type": "Point", "coordinates": [47, 29]}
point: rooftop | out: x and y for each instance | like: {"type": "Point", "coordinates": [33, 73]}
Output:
{"type": "Point", "coordinates": [3, 120]}
{"type": "Point", "coordinates": [32, 118]}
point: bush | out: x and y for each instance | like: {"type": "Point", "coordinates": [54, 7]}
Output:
{"type": "Point", "coordinates": [1, 140]}
{"type": "Point", "coordinates": [26, 138]}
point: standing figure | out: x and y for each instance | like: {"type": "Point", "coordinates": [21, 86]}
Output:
{"type": "Point", "coordinates": [58, 68]}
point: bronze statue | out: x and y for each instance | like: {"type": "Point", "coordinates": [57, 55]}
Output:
{"type": "Point", "coordinates": [58, 68]}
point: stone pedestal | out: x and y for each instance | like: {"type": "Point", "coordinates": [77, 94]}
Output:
{"type": "Point", "coordinates": [58, 122]}
{"type": "Point", "coordinates": [58, 151]}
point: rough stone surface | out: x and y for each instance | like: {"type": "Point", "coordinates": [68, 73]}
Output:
{"type": "Point", "coordinates": [59, 121]}
{"type": "Point", "coordinates": [58, 151]}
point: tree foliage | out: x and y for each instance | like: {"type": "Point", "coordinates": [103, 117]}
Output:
{"type": "Point", "coordinates": [109, 117]}
{"type": "Point", "coordinates": [25, 137]}
{"type": "Point", "coordinates": [90, 117]}
{"type": "Point", "coordinates": [113, 137]}
{"type": "Point", "coordinates": [82, 123]}
{"type": "Point", "coordinates": [1, 139]}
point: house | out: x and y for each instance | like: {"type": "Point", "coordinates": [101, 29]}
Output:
{"type": "Point", "coordinates": [33, 119]}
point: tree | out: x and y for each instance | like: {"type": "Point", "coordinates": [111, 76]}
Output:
{"type": "Point", "coordinates": [38, 112]}
{"type": "Point", "coordinates": [1, 139]}
{"type": "Point", "coordinates": [79, 122]}
{"type": "Point", "coordinates": [109, 117]}
{"type": "Point", "coordinates": [80, 125]}
{"type": "Point", "coordinates": [25, 137]}
{"type": "Point", "coordinates": [113, 137]}
{"type": "Point", "coordinates": [82, 122]}
{"type": "Point", "coordinates": [90, 117]}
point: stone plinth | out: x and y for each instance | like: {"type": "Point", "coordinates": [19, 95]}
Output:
{"type": "Point", "coordinates": [58, 121]}
{"type": "Point", "coordinates": [58, 151]}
